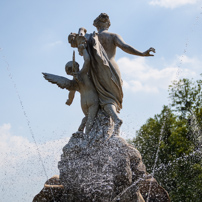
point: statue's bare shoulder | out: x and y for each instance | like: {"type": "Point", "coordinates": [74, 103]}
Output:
{"type": "Point", "coordinates": [107, 37]}
{"type": "Point", "coordinates": [108, 41]}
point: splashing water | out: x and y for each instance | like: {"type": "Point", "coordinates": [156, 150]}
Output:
{"type": "Point", "coordinates": [196, 126]}
{"type": "Point", "coordinates": [26, 117]}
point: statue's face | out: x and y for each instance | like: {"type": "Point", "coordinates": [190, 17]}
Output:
{"type": "Point", "coordinates": [69, 69]}
{"type": "Point", "coordinates": [73, 42]}
{"type": "Point", "coordinates": [72, 39]}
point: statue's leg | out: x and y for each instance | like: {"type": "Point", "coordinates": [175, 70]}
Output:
{"type": "Point", "coordinates": [111, 111]}
{"type": "Point", "coordinates": [83, 124]}
{"type": "Point", "coordinates": [92, 112]}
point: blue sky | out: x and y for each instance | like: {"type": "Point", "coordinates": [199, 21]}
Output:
{"type": "Point", "coordinates": [33, 39]}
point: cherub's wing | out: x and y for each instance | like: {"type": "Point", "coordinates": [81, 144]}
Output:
{"type": "Point", "coordinates": [62, 82]}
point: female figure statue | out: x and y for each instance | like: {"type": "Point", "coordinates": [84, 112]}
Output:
{"type": "Point", "coordinates": [105, 71]}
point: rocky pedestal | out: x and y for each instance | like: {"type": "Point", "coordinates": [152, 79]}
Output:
{"type": "Point", "coordinates": [103, 167]}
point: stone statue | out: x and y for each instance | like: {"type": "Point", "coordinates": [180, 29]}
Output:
{"type": "Point", "coordinates": [104, 70]}
{"type": "Point", "coordinates": [110, 42]}
{"type": "Point", "coordinates": [82, 84]}
{"type": "Point", "coordinates": [98, 165]}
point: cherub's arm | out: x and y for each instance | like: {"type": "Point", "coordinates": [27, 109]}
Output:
{"type": "Point", "coordinates": [62, 82]}
{"type": "Point", "coordinates": [129, 49]}
{"type": "Point", "coordinates": [70, 97]}
{"type": "Point", "coordinates": [86, 64]}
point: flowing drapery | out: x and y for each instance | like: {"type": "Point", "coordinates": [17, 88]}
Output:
{"type": "Point", "coordinates": [104, 76]}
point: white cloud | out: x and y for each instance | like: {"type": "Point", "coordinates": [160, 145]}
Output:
{"type": "Point", "coordinates": [56, 43]}
{"type": "Point", "coordinates": [195, 62]}
{"type": "Point", "coordinates": [172, 3]}
{"type": "Point", "coordinates": [21, 169]}
{"type": "Point", "coordinates": [136, 86]}
{"type": "Point", "coordinates": [138, 76]}
{"type": "Point", "coordinates": [51, 45]}
{"type": "Point", "coordinates": [16, 148]}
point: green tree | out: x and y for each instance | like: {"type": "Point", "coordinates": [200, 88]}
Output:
{"type": "Point", "coordinates": [176, 132]}
{"type": "Point", "coordinates": [186, 97]}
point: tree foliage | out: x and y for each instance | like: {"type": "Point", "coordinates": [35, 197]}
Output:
{"type": "Point", "coordinates": [186, 96]}
{"type": "Point", "coordinates": [176, 131]}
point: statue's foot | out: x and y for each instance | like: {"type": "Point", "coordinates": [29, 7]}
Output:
{"type": "Point", "coordinates": [117, 126]}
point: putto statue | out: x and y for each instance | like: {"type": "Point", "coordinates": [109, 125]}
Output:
{"type": "Point", "coordinates": [82, 84]}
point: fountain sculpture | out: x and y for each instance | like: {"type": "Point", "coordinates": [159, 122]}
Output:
{"type": "Point", "coordinates": [98, 165]}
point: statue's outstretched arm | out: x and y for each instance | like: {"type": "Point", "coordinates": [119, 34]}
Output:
{"type": "Point", "coordinates": [62, 82]}
{"type": "Point", "coordinates": [129, 49]}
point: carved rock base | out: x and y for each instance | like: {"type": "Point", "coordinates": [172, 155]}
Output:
{"type": "Point", "coordinates": [102, 167]}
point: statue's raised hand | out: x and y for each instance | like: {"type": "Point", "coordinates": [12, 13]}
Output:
{"type": "Point", "coordinates": [147, 52]}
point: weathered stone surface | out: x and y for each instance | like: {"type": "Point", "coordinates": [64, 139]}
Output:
{"type": "Point", "coordinates": [154, 190]}
{"type": "Point", "coordinates": [51, 192]}
{"type": "Point", "coordinates": [99, 167]}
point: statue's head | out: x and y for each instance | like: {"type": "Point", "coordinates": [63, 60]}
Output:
{"type": "Point", "coordinates": [69, 65]}
{"type": "Point", "coordinates": [102, 21]}
{"type": "Point", "coordinates": [72, 39]}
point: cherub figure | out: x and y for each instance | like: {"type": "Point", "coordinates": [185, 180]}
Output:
{"type": "Point", "coordinates": [81, 83]}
